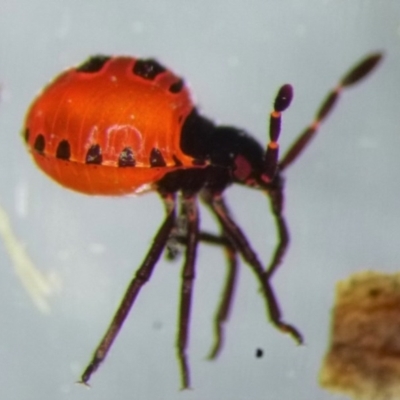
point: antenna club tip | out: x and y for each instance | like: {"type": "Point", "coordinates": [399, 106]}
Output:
{"type": "Point", "coordinates": [283, 98]}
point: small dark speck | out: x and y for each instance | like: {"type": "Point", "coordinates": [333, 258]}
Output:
{"type": "Point", "coordinates": [259, 353]}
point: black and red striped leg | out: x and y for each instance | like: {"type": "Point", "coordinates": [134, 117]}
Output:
{"type": "Point", "coordinates": [190, 210]}
{"type": "Point", "coordinates": [356, 74]}
{"type": "Point", "coordinates": [219, 209]}
{"type": "Point", "coordinates": [142, 276]}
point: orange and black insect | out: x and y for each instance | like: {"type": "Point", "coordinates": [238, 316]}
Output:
{"type": "Point", "coordinates": [119, 125]}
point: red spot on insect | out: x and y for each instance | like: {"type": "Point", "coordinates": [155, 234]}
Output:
{"type": "Point", "coordinates": [242, 168]}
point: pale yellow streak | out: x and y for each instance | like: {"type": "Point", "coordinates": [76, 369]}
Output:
{"type": "Point", "coordinates": [38, 286]}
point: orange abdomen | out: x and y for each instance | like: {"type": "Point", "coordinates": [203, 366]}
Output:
{"type": "Point", "coordinates": [110, 130]}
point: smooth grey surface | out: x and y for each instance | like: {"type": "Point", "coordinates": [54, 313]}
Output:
{"type": "Point", "coordinates": [342, 196]}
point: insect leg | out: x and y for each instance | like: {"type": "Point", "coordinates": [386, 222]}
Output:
{"type": "Point", "coordinates": [219, 209]}
{"type": "Point", "coordinates": [357, 73]}
{"type": "Point", "coordinates": [142, 275]}
{"type": "Point", "coordinates": [177, 238]}
{"type": "Point", "coordinates": [276, 198]}
{"type": "Point", "coordinates": [225, 305]}
{"type": "Point", "coordinates": [282, 102]}
{"type": "Point", "coordinates": [189, 208]}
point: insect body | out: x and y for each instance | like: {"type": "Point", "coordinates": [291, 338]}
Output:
{"type": "Point", "coordinates": [118, 125]}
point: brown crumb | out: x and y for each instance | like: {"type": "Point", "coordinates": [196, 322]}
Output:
{"type": "Point", "coordinates": [363, 360]}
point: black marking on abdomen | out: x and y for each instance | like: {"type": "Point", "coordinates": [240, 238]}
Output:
{"type": "Point", "coordinates": [63, 150]}
{"type": "Point", "coordinates": [177, 86]}
{"type": "Point", "coordinates": [178, 162]}
{"type": "Point", "coordinates": [93, 155]}
{"type": "Point", "coordinates": [126, 158]}
{"type": "Point", "coordinates": [39, 144]}
{"type": "Point", "coordinates": [93, 64]}
{"type": "Point", "coordinates": [148, 69]}
{"type": "Point", "coordinates": [156, 158]}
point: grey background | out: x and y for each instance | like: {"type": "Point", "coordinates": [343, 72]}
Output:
{"type": "Point", "coordinates": [342, 196]}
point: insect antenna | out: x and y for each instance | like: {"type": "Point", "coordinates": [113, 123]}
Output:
{"type": "Point", "coordinates": [282, 102]}
{"type": "Point", "coordinates": [356, 74]}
